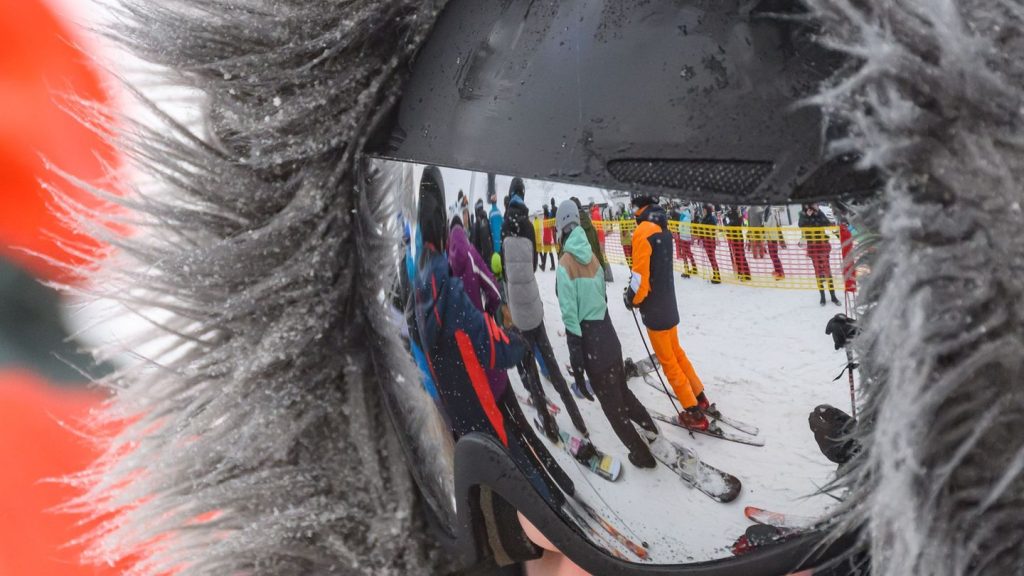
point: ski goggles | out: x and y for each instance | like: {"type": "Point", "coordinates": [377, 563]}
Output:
{"type": "Point", "coordinates": [637, 389]}
{"type": "Point", "coordinates": [666, 434]}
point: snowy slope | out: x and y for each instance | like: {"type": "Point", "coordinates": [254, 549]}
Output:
{"type": "Point", "coordinates": [764, 358]}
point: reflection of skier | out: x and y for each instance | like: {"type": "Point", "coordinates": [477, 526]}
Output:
{"type": "Point", "coordinates": [481, 236]}
{"type": "Point", "coordinates": [708, 239]}
{"type": "Point", "coordinates": [595, 243]}
{"type": "Point", "coordinates": [819, 249]}
{"type": "Point", "coordinates": [543, 240]}
{"type": "Point", "coordinates": [686, 242]}
{"type": "Point", "coordinates": [652, 289]}
{"type": "Point", "coordinates": [592, 339]}
{"type": "Point", "coordinates": [774, 239]}
{"type": "Point", "coordinates": [626, 237]}
{"type": "Point", "coordinates": [480, 285]}
{"type": "Point", "coordinates": [459, 341]}
{"type": "Point", "coordinates": [734, 236]}
{"type": "Point", "coordinates": [494, 218]}
{"type": "Point", "coordinates": [598, 220]}
{"type": "Point", "coordinates": [519, 262]}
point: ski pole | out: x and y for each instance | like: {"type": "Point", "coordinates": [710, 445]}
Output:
{"type": "Point", "coordinates": [657, 370]}
{"type": "Point", "coordinates": [850, 365]}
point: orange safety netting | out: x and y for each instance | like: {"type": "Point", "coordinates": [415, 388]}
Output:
{"type": "Point", "coordinates": [761, 257]}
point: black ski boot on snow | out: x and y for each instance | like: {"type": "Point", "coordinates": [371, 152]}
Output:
{"type": "Point", "coordinates": [822, 302]}
{"type": "Point", "coordinates": [642, 459]}
{"type": "Point", "coordinates": [834, 299]}
{"type": "Point", "coordinates": [630, 368]}
{"type": "Point", "coordinates": [550, 426]}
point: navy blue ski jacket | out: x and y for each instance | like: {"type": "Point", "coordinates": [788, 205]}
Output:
{"type": "Point", "coordinates": [460, 342]}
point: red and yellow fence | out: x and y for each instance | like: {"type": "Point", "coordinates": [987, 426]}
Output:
{"type": "Point", "coordinates": [788, 257]}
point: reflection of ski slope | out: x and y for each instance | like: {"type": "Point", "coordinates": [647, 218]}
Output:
{"type": "Point", "coordinates": [764, 358]}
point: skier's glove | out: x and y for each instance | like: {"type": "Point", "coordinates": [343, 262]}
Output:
{"type": "Point", "coordinates": [627, 298]}
{"type": "Point", "coordinates": [575, 345]}
{"type": "Point", "coordinates": [843, 329]}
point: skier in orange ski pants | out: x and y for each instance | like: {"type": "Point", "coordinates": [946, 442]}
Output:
{"type": "Point", "coordinates": [652, 290]}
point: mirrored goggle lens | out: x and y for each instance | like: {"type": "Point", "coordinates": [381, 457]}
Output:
{"type": "Point", "coordinates": [649, 364]}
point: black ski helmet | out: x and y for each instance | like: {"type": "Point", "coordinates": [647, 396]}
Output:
{"type": "Point", "coordinates": [641, 200]}
{"type": "Point", "coordinates": [517, 188]}
{"type": "Point", "coordinates": [431, 217]}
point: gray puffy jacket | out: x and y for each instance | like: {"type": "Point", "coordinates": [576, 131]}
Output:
{"type": "Point", "coordinates": [523, 292]}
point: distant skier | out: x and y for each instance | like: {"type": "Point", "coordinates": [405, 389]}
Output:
{"type": "Point", "coordinates": [734, 237]}
{"type": "Point", "coordinates": [494, 216]}
{"type": "Point", "coordinates": [598, 219]}
{"type": "Point", "coordinates": [519, 262]}
{"type": "Point", "coordinates": [686, 242]}
{"type": "Point", "coordinates": [543, 243]}
{"type": "Point", "coordinates": [652, 290]}
{"type": "Point", "coordinates": [626, 226]}
{"type": "Point", "coordinates": [591, 338]}
{"type": "Point", "coordinates": [481, 236]}
{"type": "Point", "coordinates": [595, 242]}
{"type": "Point", "coordinates": [709, 239]}
{"type": "Point", "coordinates": [466, 217]}
{"type": "Point", "coordinates": [819, 249]}
{"type": "Point", "coordinates": [774, 239]}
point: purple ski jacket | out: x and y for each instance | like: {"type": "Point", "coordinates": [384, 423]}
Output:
{"type": "Point", "coordinates": [481, 287]}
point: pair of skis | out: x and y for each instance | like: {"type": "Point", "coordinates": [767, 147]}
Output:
{"type": "Point", "coordinates": [748, 433]}
{"type": "Point", "coordinates": [684, 462]}
{"type": "Point", "coordinates": [694, 472]}
{"type": "Point", "coordinates": [713, 430]}
{"type": "Point", "coordinates": [769, 528]}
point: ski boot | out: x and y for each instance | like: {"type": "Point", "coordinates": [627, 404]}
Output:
{"type": "Point", "coordinates": [585, 452]}
{"type": "Point", "coordinates": [822, 302]}
{"type": "Point", "coordinates": [705, 405]}
{"type": "Point", "coordinates": [694, 418]}
{"type": "Point", "coordinates": [685, 275]}
{"type": "Point", "coordinates": [631, 369]}
{"type": "Point", "coordinates": [642, 458]}
{"type": "Point", "coordinates": [835, 300]}
{"type": "Point", "coordinates": [550, 426]}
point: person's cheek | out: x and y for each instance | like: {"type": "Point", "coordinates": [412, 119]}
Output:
{"type": "Point", "coordinates": [553, 562]}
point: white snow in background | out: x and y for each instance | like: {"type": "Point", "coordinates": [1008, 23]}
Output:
{"type": "Point", "coordinates": [764, 358]}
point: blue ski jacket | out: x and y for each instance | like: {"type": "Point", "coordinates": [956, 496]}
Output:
{"type": "Point", "coordinates": [496, 221]}
{"type": "Point", "coordinates": [460, 342]}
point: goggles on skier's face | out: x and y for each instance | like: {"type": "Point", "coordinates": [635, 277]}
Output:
{"type": "Point", "coordinates": [548, 92]}
{"type": "Point", "coordinates": [747, 491]}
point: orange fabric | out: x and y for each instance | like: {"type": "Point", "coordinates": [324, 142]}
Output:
{"type": "Point", "coordinates": [642, 258]}
{"type": "Point", "coordinates": [38, 63]}
{"type": "Point", "coordinates": [481, 385]}
{"type": "Point", "coordinates": [35, 446]}
{"type": "Point", "coordinates": [677, 366]}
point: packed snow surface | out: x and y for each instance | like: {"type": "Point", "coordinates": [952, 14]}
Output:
{"type": "Point", "coordinates": [764, 358]}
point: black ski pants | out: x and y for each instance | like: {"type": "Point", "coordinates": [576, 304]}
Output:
{"type": "Point", "coordinates": [537, 340]}
{"type": "Point", "coordinates": [602, 356]}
